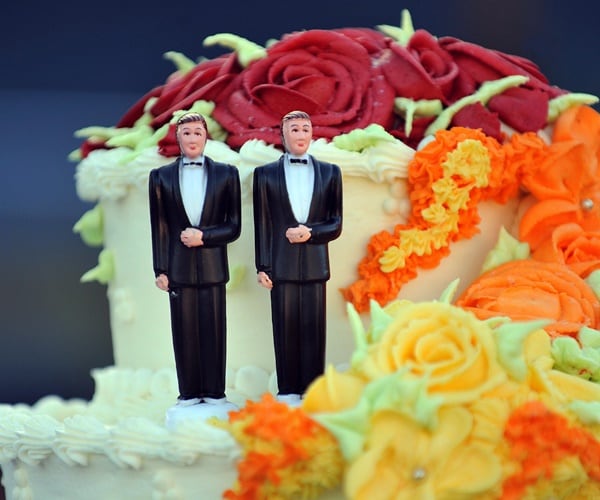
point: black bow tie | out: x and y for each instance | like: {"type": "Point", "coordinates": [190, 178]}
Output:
{"type": "Point", "coordinates": [193, 163]}
{"type": "Point", "coordinates": [299, 160]}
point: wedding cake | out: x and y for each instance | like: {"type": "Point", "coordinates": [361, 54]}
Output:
{"type": "Point", "coordinates": [462, 313]}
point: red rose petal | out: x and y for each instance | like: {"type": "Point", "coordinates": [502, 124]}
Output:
{"type": "Point", "coordinates": [407, 77]}
{"type": "Point", "coordinates": [521, 108]}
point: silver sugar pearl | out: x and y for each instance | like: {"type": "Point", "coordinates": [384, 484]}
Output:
{"type": "Point", "coordinates": [419, 474]}
{"type": "Point", "coordinates": [587, 204]}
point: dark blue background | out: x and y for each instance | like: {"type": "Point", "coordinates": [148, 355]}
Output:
{"type": "Point", "coordinates": [72, 64]}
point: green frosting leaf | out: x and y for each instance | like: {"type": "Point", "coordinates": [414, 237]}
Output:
{"type": "Point", "coordinates": [380, 321]}
{"type": "Point", "coordinates": [449, 293]}
{"type": "Point", "coordinates": [593, 280]}
{"type": "Point", "coordinates": [246, 50]}
{"type": "Point", "coordinates": [588, 412]}
{"type": "Point", "coordinates": [403, 33]}
{"type": "Point", "coordinates": [90, 226]}
{"type": "Point", "coordinates": [104, 271]}
{"type": "Point", "coordinates": [510, 338]}
{"type": "Point", "coordinates": [75, 156]}
{"type": "Point", "coordinates": [359, 333]}
{"type": "Point", "coordinates": [563, 102]}
{"type": "Point", "coordinates": [237, 273]}
{"type": "Point", "coordinates": [404, 394]}
{"type": "Point", "coordinates": [183, 63]}
{"type": "Point", "coordinates": [484, 93]}
{"type": "Point", "coordinates": [507, 249]}
{"type": "Point", "coordinates": [410, 108]}
{"type": "Point", "coordinates": [131, 137]}
{"type": "Point", "coordinates": [349, 428]}
{"type": "Point", "coordinates": [575, 359]}
{"type": "Point", "coordinates": [99, 133]}
{"type": "Point", "coordinates": [589, 337]}
{"type": "Point", "coordinates": [359, 139]}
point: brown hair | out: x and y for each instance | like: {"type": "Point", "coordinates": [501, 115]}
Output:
{"type": "Point", "coordinates": [192, 117]}
{"type": "Point", "coordinates": [295, 115]}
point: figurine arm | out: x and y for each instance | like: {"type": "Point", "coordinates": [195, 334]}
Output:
{"type": "Point", "coordinates": [262, 222]}
{"type": "Point", "coordinates": [229, 202]}
{"type": "Point", "coordinates": [158, 225]}
{"type": "Point", "coordinates": [331, 226]}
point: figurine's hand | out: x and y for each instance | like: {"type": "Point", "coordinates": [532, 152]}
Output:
{"type": "Point", "coordinates": [191, 237]}
{"type": "Point", "coordinates": [298, 234]}
{"type": "Point", "coordinates": [162, 282]}
{"type": "Point", "coordinates": [264, 280]}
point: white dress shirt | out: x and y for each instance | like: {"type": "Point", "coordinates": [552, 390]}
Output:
{"type": "Point", "coordinates": [300, 181]}
{"type": "Point", "coordinates": [192, 182]}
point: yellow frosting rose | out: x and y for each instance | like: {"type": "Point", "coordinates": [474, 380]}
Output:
{"type": "Point", "coordinates": [454, 350]}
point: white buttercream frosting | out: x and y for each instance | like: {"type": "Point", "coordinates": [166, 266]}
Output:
{"type": "Point", "coordinates": [79, 437]}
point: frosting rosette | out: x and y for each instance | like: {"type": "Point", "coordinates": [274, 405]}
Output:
{"type": "Point", "coordinates": [572, 246]}
{"type": "Point", "coordinates": [453, 351]}
{"type": "Point", "coordinates": [332, 75]}
{"type": "Point", "coordinates": [566, 184]}
{"type": "Point", "coordinates": [529, 289]}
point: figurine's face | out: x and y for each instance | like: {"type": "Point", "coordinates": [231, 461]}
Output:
{"type": "Point", "coordinates": [192, 139]}
{"type": "Point", "coordinates": [297, 134]}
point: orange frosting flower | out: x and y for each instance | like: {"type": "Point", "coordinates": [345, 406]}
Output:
{"type": "Point", "coordinates": [571, 245]}
{"type": "Point", "coordinates": [286, 453]}
{"type": "Point", "coordinates": [539, 439]}
{"type": "Point", "coordinates": [567, 182]}
{"type": "Point", "coordinates": [531, 289]}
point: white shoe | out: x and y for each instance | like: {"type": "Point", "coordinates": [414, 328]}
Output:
{"type": "Point", "coordinates": [182, 403]}
{"type": "Point", "coordinates": [202, 411]}
{"type": "Point", "coordinates": [292, 400]}
{"type": "Point", "coordinates": [215, 401]}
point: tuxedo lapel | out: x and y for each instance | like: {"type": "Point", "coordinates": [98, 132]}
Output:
{"type": "Point", "coordinates": [316, 192]}
{"type": "Point", "coordinates": [176, 188]}
{"type": "Point", "coordinates": [284, 195]}
{"type": "Point", "coordinates": [209, 197]}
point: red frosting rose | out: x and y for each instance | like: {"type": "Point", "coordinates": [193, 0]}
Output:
{"type": "Point", "coordinates": [422, 69]}
{"type": "Point", "coordinates": [335, 76]}
{"type": "Point", "coordinates": [204, 81]}
{"type": "Point", "coordinates": [524, 108]}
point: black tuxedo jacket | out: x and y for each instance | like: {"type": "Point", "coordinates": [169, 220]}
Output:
{"type": "Point", "coordinates": [220, 224]}
{"type": "Point", "coordinates": [274, 254]}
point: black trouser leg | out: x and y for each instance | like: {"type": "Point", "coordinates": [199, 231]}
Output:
{"type": "Point", "coordinates": [198, 324]}
{"type": "Point", "coordinates": [298, 315]}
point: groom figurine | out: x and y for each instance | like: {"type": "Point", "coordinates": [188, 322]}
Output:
{"type": "Point", "coordinates": [297, 212]}
{"type": "Point", "coordinates": [194, 213]}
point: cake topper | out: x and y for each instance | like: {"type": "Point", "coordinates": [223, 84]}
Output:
{"type": "Point", "coordinates": [297, 212]}
{"type": "Point", "coordinates": [195, 208]}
